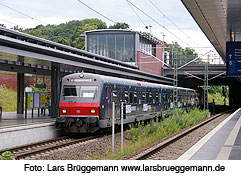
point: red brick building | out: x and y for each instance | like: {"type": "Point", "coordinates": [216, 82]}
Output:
{"type": "Point", "coordinates": [132, 47]}
{"type": "Point", "coordinates": [10, 81]}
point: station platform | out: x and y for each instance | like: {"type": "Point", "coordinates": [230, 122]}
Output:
{"type": "Point", "coordinates": [16, 130]}
{"type": "Point", "coordinates": [222, 143]}
{"type": "Point", "coordinates": [10, 119]}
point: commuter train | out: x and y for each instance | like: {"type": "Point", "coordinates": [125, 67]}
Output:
{"type": "Point", "coordinates": [86, 101]}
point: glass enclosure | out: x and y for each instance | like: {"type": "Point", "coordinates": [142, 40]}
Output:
{"type": "Point", "coordinates": [146, 46]}
{"type": "Point", "coordinates": [117, 46]}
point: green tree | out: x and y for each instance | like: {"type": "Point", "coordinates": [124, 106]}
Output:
{"type": "Point", "coordinates": [120, 25]}
{"type": "Point", "coordinates": [77, 41]}
{"type": "Point", "coordinates": [62, 40]}
{"type": "Point", "coordinates": [215, 89]}
{"type": "Point", "coordinates": [184, 55]}
{"type": "Point", "coordinates": [66, 33]}
{"type": "Point", "coordinates": [17, 28]}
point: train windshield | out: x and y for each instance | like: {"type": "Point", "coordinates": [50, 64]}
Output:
{"type": "Point", "coordinates": [80, 91]}
{"type": "Point", "coordinates": [71, 91]}
{"type": "Point", "coordinates": [88, 91]}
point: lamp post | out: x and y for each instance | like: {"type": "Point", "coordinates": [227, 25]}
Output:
{"type": "Point", "coordinates": [163, 36]}
{"type": "Point", "coordinates": [149, 27]}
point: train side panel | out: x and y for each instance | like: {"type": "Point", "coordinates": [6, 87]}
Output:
{"type": "Point", "coordinates": [86, 101]}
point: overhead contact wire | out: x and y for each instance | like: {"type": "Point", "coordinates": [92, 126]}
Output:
{"type": "Point", "coordinates": [157, 22]}
{"type": "Point", "coordinates": [22, 13]}
{"type": "Point", "coordinates": [136, 13]}
{"type": "Point", "coordinates": [96, 11]}
{"type": "Point", "coordinates": [172, 22]}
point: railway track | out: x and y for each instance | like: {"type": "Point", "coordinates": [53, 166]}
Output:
{"type": "Point", "coordinates": [155, 149]}
{"type": "Point", "coordinates": [43, 147]}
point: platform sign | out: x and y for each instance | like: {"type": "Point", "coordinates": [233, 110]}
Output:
{"type": "Point", "coordinates": [30, 100]}
{"type": "Point", "coordinates": [233, 58]}
{"type": "Point", "coordinates": [36, 100]}
{"type": "Point", "coordinates": [42, 100]}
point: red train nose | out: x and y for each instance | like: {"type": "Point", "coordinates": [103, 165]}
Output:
{"type": "Point", "coordinates": [78, 109]}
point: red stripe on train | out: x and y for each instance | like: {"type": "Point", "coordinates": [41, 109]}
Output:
{"type": "Point", "coordinates": [78, 109]}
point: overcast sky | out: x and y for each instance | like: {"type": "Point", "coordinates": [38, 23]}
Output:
{"type": "Point", "coordinates": [61, 11]}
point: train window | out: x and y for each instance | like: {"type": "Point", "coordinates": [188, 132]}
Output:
{"type": "Point", "coordinates": [154, 98]}
{"type": "Point", "coordinates": [114, 95]}
{"type": "Point", "coordinates": [71, 91]}
{"type": "Point", "coordinates": [135, 97]}
{"type": "Point", "coordinates": [157, 97]}
{"type": "Point", "coordinates": [147, 98]}
{"type": "Point", "coordinates": [150, 98]}
{"type": "Point", "coordinates": [131, 98]}
{"type": "Point", "coordinates": [168, 98]}
{"type": "Point", "coordinates": [127, 97]}
{"type": "Point", "coordinates": [179, 98]}
{"type": "Point", "coordinates": [143, 98]}
{"type": "Point", "coordinates": [88, 91]}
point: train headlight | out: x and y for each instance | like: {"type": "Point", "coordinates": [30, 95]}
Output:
{"type": "Point", "coordinates": [81, 75]}
{"type": "Point", "coordinates": [64, 111]}
{"type": "Point", "coordinates": [92, 111]}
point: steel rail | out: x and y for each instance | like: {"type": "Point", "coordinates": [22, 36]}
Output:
{"type": "Point", "coordinates": [34, 144]}
{"type": "Point", "coordinates": [47, 149]}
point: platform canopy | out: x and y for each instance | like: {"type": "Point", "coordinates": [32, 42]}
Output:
{"type": "Point", "coordinates": [218, 19]}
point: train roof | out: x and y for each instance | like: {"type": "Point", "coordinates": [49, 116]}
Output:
{"type": "Point", "coordinates": [117, 80]}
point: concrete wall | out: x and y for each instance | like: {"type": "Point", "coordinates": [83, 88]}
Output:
{"type": "Point", "coordinates": [21, 135]}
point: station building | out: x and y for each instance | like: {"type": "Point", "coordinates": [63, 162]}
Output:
{"type": "Point", "coordinates": [139, 49]}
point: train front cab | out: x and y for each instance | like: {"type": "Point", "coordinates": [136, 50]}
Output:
{"type": "Point", "coordinates": [79, 103]}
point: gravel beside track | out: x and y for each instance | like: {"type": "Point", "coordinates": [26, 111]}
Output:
{"type": "Point", "coordinates": [96, 148]}
{"type": "Point", "coordinates": [83, 151]}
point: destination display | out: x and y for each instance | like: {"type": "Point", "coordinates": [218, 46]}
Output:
{"type": "Point", "coordinates": [233, 58]}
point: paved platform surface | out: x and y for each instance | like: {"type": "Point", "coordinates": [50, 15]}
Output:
{"type": "Point", "coordinates": [10, 119]}
{"type": "Point", "coordinates": [16, 130]}
{"type": "Point", "coordinates": [222, 143]}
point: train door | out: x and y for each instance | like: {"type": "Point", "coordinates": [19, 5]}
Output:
{"type": "Point", "coordinates": [115, 98]}
{"type": "Point", "coordinates": [160, 100]}
{"type": "Point", "coordinates": [108, 105]}
{"type": "Point", "coordinates": [135, 98]}
{"type": "Point", "coordinates": [139, 102]}
{"type": "Point", "coordinates": [123, 98]}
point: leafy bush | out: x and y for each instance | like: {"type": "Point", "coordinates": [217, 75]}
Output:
{"type": "Point", "coordinates": [8, 99]}
{"type": "Point", "coordinates": [7, 155]}
{"type": "Point", "coordinates": [179, 120]}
